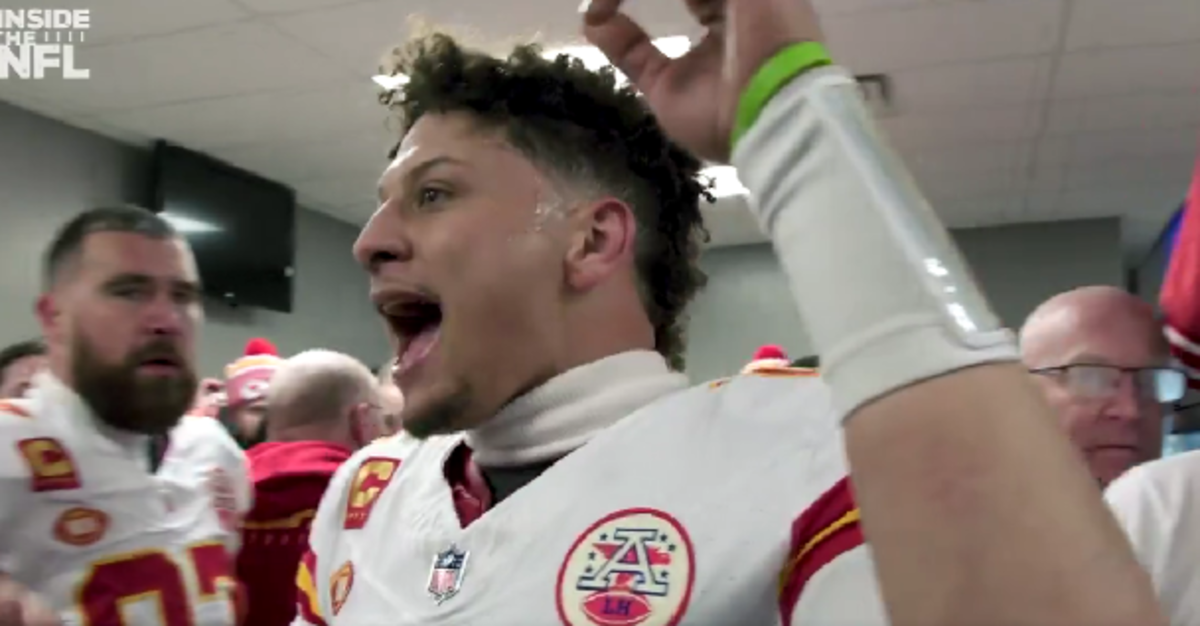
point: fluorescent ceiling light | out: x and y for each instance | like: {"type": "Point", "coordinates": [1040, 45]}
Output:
{"type": "Point", "coordinates": [392, 82]}
{"type": "Point", "coordinates": [725, 183]}
{"type": "Point", "coordinates": [188, 226]}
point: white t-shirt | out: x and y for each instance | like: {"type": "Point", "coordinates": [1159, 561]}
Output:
{"type": "Point", "coordinates": [1158, 504]}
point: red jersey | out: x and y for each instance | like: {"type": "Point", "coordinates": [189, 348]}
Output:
{"type": "Point", "coordinates": [289, 479]}
{"type": "Point", "coordinates": [1180, 298]}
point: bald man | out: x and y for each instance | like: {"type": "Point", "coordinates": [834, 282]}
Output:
{"type": "Point", "coordinates": [322, 407]}
{"type": "Point", "coordinates": [1099, 355]}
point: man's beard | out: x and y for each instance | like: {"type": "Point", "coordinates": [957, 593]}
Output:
{"type": "Point", "coordinates": [122, 399]}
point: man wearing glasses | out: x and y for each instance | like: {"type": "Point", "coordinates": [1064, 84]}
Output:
{"type": "Point", "coordinates": [1100, 356]}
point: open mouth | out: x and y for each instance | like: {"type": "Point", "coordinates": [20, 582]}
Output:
{"type": "Point", "coordinates": [159, 365]}
{"type": "Point", "coordinates": [417, 321]}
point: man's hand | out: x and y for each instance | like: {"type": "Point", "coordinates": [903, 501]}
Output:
{"type": "Point", "coordinates": [696, 96]}
{"type": "Point", "coordinates": [208, 398]}
{"type": "Point", "coordinates": [21, 607]}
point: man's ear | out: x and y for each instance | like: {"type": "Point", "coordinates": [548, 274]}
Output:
{"type": "Point", "coordinates": [363, 423]}
{"type": "Point", "coordinates": [49, 316]}
{"type": "Point", "coordinates": [603, 241]}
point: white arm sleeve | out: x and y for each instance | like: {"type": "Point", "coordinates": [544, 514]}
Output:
{"type": "Point", "coordinates": [882, 290]}
{"type": "Point", "coordinates": [845, 592]}
{"type": "Point", "coordinates": [1158, 505]}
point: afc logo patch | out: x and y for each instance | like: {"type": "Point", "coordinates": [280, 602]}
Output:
{"type": "Point", "coordinates": [633, 567]}
{"type": "Point", "coordinates": [369, 481]}
{"type": "Point", "coordinates": [50, 466]}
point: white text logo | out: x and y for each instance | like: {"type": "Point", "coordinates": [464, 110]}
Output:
{"type": "Point", "coordinates": [40, 43]}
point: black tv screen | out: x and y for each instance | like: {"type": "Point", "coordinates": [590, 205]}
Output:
{"type": "Point", "coordinates": [241, 226]}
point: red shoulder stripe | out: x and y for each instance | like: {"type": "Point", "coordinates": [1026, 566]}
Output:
{"type": "Point", "coordinates": [826, 530]}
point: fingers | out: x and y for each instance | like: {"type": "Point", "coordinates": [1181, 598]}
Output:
{"type": "Point", "coordinates": [626, 44]}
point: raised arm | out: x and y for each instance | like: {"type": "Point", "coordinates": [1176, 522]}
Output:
{"type": "Point", "coordinates": [975, 505]}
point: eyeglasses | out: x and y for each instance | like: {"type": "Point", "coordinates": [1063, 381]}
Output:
{"type": "Point", "coordinates": [1160, 384]}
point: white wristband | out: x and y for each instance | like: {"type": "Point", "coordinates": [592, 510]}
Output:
{"type": "Point", "coordinates": [880, 286]}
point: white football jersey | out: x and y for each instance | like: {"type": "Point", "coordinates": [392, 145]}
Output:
{"type": "Point", "coordinates": [1158, 505]}
{"type": "Point", "coordinates": [85, 524]}
{"type": "Point", "coordinates": [722, 504]}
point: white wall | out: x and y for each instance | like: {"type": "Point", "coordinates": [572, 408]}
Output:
{"type": "Point", "coordinates": [50, 172]}
{"type": "Point", "coordinates": [747, 302]}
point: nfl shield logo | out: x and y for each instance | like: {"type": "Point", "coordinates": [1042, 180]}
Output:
{"type": "Point", "coordinates": [446, 575]}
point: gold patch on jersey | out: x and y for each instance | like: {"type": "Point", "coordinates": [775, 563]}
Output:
{"type": "Point", "coordinates": [339, 586]}
{"type": "Point", "coordinates": [369, 481]}
{"type": "Point", "coordinates": [50, 467]}
{"type": "Point", "coordinates": [81, 526]}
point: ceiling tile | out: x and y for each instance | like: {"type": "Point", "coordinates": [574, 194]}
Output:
{"type": "Point", "coordinates": [122, 20]}
{"type": "Point", "coordinates": [967, 185]}
{"type": "Point", "coordinates": [356, 213]}
{"type": "Point", "coordinates": [358, 36]}
{"type": "Point", "coordinates": [189, 66]}
{"type": "Point", "coordinates": [1135, 112]}
{"type": "Point", "coordinates": [1040, 204]}
{"type": "Point", "coordinates": [296, 162]}
{"type": "Point", "coordinates": [989, 83]}
{"type": "Point", "coordinates": [1097, 202]}
{"type": "Point", "coordinates": [351, 190]}
{"type": "Point", "coordinates": [292, 115]}
{"type": "Point", "coordinates": [1165, 173]}
{"type": "Point", "coordinates": [1126, 71]}
{"type": "Point", "coordinates": [1096, 147]}
{"type": "Point", "coordinates": [1045, 177]}
{"type": "Point", "coordinates": [970, 126]}
{"type": "Point", "coordinates": [979, 211]}
{"type": "Point", "coordinates": [291, 6]}
{"type": "Point", "coordinates": [939, 33]}
{"type": "Point", "coordinates": [1111, 23]}
{"type": "Point", "coordinates": [952, 160]}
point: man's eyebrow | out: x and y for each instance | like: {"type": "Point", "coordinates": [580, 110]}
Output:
{"type": "Point", "coordinates": [417, 171]}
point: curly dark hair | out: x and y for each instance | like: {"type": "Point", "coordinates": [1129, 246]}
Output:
{"type": "Point", "coordinates": [578, 126]}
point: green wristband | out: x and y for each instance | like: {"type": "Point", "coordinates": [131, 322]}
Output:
{"type": "Point", "coordinates": [778, 71]}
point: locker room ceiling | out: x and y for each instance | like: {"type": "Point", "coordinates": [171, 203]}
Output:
{"type": "Point", "coordinates": [1007, 110]}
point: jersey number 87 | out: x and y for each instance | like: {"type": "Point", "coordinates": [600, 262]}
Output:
{"type": "Point", "coordinates": [154, 575]}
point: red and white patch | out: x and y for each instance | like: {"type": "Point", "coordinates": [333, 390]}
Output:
{"type": "Point", "coordinates": [224, 499]}
{"type": "Point", "coordinates": [634, 567]}
{"type": "Point", "coordinates": [81, 526]}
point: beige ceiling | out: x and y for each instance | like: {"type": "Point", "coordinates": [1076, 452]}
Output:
{"type": "Point", "coordinates": [1007, 110]}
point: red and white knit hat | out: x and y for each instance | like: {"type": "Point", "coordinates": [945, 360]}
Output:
{"type": "Point", "coordinates": [247, 379]}
{"type": "Point", "coordinates": [767, 357]}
